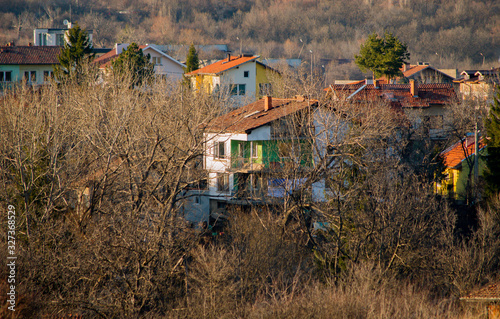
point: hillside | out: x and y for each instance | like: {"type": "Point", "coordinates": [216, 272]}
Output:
{"type": "Point", "coordinates": [446, 33]}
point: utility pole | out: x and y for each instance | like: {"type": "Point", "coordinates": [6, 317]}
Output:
{"type": "Point", "coordinates": [311, 67]}
{"type": "Point", "coordinates": [238, 38]}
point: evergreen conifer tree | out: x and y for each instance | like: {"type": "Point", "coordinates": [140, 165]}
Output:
{"type": "Point", "coordinates": [382, 56]}
{"type": "Point", "coordinates": [77, 50]}
{"type": "Point", "coordinates": [192, 61]}
{"type": "Point", "coordinates": [493, 158]}
{"type": "Point", "coordinates": [134, 63]}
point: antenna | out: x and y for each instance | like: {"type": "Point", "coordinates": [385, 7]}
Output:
{"type": "Point", "coordinates": [65, 22]}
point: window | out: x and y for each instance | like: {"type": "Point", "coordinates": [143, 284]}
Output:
{"type": "Point", "coordinates": [219, 150]}
{"type": "Point", "coordinates": [30, 76]}
{"type": "Point", "coordinates": [257, 182]}
{"type": "Point", "coordinates": [222, 182]}
{"type": "Point", "coordinates": [233, 89]}
{"type": "Point", "coordinates": [157, 60]}
{"type": "Point", "coordinates": [245, 74]}
{"type": "Point", "coordinates": [60, 39]}
{"type": "Point", "coordinates": [255, 149]}
{"type": "Point", "coordinates": [289, 150]}
{"type": "Point", "coordinates": [5, 76]}
{"type": "Point", "coordinates": [47, 75]}
{"type": "Point", "coordinates": [265, 89]}
{"type": "Point", "coordinates": [241, 149]}
{"type": "Point", "coordinates": [197, 200]}
{"type": "Point", "coordinates": [237, 89]}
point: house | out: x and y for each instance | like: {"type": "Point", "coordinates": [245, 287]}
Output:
{"type": "Point", "coordinates": [489, 296]}
{"type": "Point", "coordinates": [242, 76]}
{"type": "Point", "coordinates": [478, 84]}
{"type": "Point", "coordinates": [33, 64]}
{"type": "Point", "coordinates": [165, 66]}
{"type": "Point", "coordinates": [53, 37]}
{"type": "Point", "coordinates": [459, 167]}
{"type": "Point", "coordinates": [421, 73]}
{"type": "Point", "coordinates": [424, 104]}
{"type": "Point", "coordinates": [249, 150]}
{"type": "Point", "coordinates": [209, 51]}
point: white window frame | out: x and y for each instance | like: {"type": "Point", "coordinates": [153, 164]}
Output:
{"type": "Point", "coordinates": [237, 89]}
{"type": "Point", "coordinates": [30, 75]}
{"type": "Point", "coordinates": [47, 75]}
{"type": "Point", "coordinates": [3, 76]}
{"type": "Point", "coordinates": [156, 60]}
{"type": "Point", "coordinates": [218, 146]}
{"type": "Point", "coordinates": [223, 182]}
{"type": "Point", "coordinates": [255, 149]}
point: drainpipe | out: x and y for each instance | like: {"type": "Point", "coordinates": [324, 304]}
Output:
{"type": "Point", "coordinates": [476, 157]}
{"type": "Point", "coordinates": [251, 155]}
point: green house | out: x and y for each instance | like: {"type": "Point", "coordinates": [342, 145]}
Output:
{"type": "Point", "coordinates": [33, 64]}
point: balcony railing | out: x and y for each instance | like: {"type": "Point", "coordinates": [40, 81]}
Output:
{"type": "Point", "coordinates": [242, 163]}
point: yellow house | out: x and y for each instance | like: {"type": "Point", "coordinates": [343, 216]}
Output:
{"type": "Point", "coordinates": [459, 161]}
{"type": "Point", "coordinates": [242, 77]}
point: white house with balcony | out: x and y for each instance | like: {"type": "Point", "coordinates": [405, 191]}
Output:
{"type": "Point", "coordinates": [250, 150]}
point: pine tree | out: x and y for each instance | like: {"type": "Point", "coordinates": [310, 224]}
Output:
{"type": "Point", "coordinates": [134, 63]}
{"type": "Point", "coordinates": [383, 56]}
{"type": "Point", "coordinates": [492, 175]}
{"type": "Point", "coordinates": [192, 61]}
{"type": "Point", "coordinates": [77, 50]}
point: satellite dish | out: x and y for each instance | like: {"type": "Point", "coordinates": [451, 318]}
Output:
{"type": "Point", "coordinates": [65, 22]}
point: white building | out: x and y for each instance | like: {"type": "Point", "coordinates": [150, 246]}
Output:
{"type": "Point", "coordinates": [243, 77]}
{"type": "Point", "coordinates": [165, 66]}
{"type": "Point", "coordinates": [53, 37]}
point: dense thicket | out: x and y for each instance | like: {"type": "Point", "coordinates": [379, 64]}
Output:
{"type": "Point", "coordinates": [449, 34]}
{"type": "Point", "coordinates": [98, 174]}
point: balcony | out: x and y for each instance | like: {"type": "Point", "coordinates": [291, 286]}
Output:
{"type": "Point", "coordinates": [245, 165]}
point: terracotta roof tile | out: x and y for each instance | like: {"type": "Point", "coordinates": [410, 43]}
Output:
{"type": "Point", "coordinates": [223, 65]}
{"type": "Point", "coordinates": [23, 55]}
{"type": "Point", "coordinates": [399, 94]}
{"type": "Point", "coordinates": [103, 59]}
{"type": "Point", "coordinates": [414, 69]}
{"type": "Point", "coordinates": [410, 71]}
{"type": "Point", "coordinates": [454, 155]}
{"type": "Point", "coordinates": [253, 115]}
{"type": "Point", "coordinates": [490, 292]}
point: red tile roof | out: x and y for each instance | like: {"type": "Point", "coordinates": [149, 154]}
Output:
{"type": "Point", "coordinates": [488, 293]}
{"type": "Point", "coordinates": [223, 65]}
{"type": "Point", "coordinates": [253, 115]}
{"type": "Point", "coordinates": [413, 69]}
{"type": "Point", "coordinates": [410, 71]}
{"type": "Point", "coordinates": [399, 94]}
{"type": "Point", "coordinates": [105, 58]}
{"type": "Point", "coordinates": [23, 55]}
{"type": "Point", "coordinates": [455, 154]}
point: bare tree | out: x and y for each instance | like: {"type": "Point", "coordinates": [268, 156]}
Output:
{"type": "Point", "coordinates": [97, 172]}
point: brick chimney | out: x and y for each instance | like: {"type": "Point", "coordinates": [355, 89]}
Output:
{"type": "Point", "coordinates": [413, 88]}
{"type": "Point", "coordinates": [405, 67]}
{"type": "Point", "coordinates": [268, 103]}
